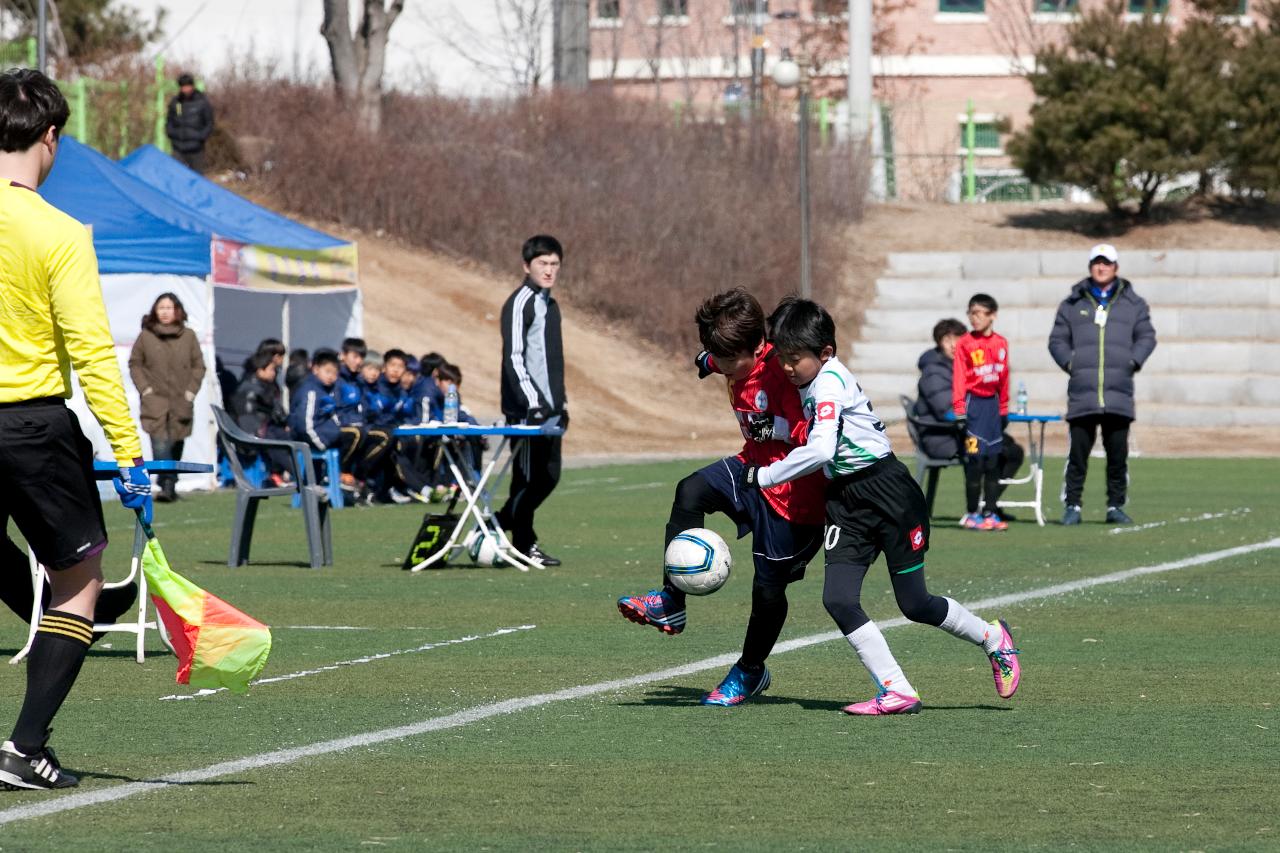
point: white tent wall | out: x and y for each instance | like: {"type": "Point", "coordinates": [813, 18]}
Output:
{"type": "Point", "coordinates": [128, 298]}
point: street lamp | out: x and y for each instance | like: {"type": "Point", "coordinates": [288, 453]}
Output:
{"type": "Point", "coordinates": [790, 73]}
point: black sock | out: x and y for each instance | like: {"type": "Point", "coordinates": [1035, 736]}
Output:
{"type": "Point", "coordinates": [52, 666]}
{"type": "Point", "coordinates": [768, 613]}
{"type": "Point", "coordinates": [680, 521]}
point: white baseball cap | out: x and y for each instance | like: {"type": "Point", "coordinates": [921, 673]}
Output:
{"type": "Point", "coordinates": [1105, 251]}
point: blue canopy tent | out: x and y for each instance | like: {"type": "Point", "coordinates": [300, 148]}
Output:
{"type": "Point", "coordinates": [235, 287]}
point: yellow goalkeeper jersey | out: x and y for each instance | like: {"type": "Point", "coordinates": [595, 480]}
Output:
{"type": "Point", "coordinates": [52, 316]}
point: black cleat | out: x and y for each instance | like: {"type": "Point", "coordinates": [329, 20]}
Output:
{"type": "Point", "coordinates": [1071, 517]}
{"type": "Point", "coordinates": [1115, 515]}
{"type": "Point", "coordinates": [38, 772]}
{"type": "Point", "coordinates": [536, 553]}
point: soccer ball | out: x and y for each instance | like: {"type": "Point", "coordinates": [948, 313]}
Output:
{"type": "Point", "coordinates": [483, 550]}
{"type": "Point", "coordinates": [697, 561]}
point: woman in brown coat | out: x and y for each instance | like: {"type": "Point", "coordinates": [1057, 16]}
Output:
{"type": "Point", "coordinates": [167, 369]}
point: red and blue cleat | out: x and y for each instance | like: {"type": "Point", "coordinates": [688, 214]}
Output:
{"type": "Point", "coordinates": [738, 686]}
{"type": "Point", "coordinates": [655, 608]}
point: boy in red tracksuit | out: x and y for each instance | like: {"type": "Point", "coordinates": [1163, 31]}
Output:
{"type": "Point", "coordinates": [785, 520]}
{"type": "Point", "coordinates": [980, 398]}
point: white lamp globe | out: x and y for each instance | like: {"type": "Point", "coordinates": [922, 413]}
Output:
{"type": "Point", "coordinates": [786, 73]}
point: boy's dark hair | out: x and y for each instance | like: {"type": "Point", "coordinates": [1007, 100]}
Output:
{"type": "Point", "coordinates": [30, 103]}
{"type": "Point", "coordinates": [982, 299]}
{"type": "Point", "coordinates": [539, 245]}
{"type": "Point", "coordinates": [450, 373]}
{"type": "Point", "coordinates": [949, 326]}
{"type": "Point", "coordinates": [275, 346]}
{"type": "Point", "coordinates": [797, 325]}
{"type": "Point", "coordinates": [430, 362]}
{"type": "Point", "coordinates": [324, 356]}
{"type": "Point", "coordinates": [185, 79]}
{"type": "Point", "coordinates": [730, 322]}
{"type": "Point", "coordinates": [354, 345]}
{"type": "Point", "coordinates": [260, 360]}
{"type": "Point", "coordinates": [396, 353]}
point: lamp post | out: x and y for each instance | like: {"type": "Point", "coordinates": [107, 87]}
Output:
{"type": "Point", "coordinates": [791, 73]}
{"type": "Point", "coordinates": [42, 36]}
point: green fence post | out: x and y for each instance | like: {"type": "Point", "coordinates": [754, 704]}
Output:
{"type": "Point", "coordinates": [81, 110]}
{"type": "Point", "coordinates": [33, 53]}
{"type": "Point", "coordinates": [124, 120]}
{"type": "Point", "coordinates": [970, 142]}
{"type": "Point", "coordinates": [890, 163]}
{"type": "Point", "coordinates": [678, 108]}
{"type": "Point", "coordinates": [161, 141]}
{"type": "Point", "coordinates": [824, 121]}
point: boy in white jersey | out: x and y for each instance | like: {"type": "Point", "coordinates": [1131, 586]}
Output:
{"type": "Point", "coordinates": [873, 506]}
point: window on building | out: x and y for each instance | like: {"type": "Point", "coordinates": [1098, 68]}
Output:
{"type": "Point", "coordinates": [986, 136]}
{"type": "Point", "coordinates": [740, 8]}
{"type": "Point", "coordinates": [968, 7]}
{"type": "Point", "coordinates": [610, 9]}
{"type": "Point", "coordinates": [675, 8]}
{"type": "Point", "coordinates": [1059, 6]}
{"type": "Point", "coordinates": [830, 8]}
{"type": "Point", "coordinates": [1158, 7]}
{"type": "Point", "coordinates": [1243, 8]}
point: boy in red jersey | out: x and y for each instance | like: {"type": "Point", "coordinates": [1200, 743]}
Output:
{"type": "Point", "coordinates": [785, 520]}
{"type": "Point", "coordinates": [980, 396]}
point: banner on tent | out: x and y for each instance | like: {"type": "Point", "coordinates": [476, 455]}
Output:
{"type": "Point", "coordinates": [250, 265]}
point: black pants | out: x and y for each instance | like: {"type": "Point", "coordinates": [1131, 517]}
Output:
{"type": "Point", "coordinates": [163, 447]}
{"type": "Point", "coordinates": [535, 471]}
{"type": "Point", "coordinates": [1115, 440]}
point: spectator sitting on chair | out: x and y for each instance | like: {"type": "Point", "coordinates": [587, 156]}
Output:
{"type": "Point", "coordinates": [299, 369]}
{"type": "Point", "coordinates": [414, 455]}
{"type": "Point", "coordinates": [273, 347]}
{"type": "Point", "coordinates": [933, 401]}
{"type": "Point", "coordinates": [189, 123]}
{"type": "Point", "coordinates": [430, 364]}
{"type": "Point", "coordinates": [259, 410]}
{"type": "Point", "coordinates": [313, 419]}
{"type": "Point", "coordinates": [352, 357]}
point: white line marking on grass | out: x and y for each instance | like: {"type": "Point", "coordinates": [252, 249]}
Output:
{"type": "Point", "coordinates": [631, 487]}
{"type": "Point", "coordinates": [320, 628]}
{"type": "Point", "coordinates": [425, 647]}
{"type": "Point", "coordinates": [278, 757]}
{"type": "Point", "coordinates": [1194, 519]}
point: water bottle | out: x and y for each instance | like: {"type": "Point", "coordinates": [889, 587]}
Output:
{"type": "Point", "coordinates": [1022, 398]}
{"type": "Point", "coordinates": [451, 405]}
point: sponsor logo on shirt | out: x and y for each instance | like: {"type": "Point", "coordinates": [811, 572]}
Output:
{"type": "Point", "coordinates": [826, 411]}
{"type": "Point", "coordinates": [916, 536]}
{"type": "Point", "coordinates": [762, 400]}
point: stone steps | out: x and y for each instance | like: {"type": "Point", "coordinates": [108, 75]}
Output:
{"type": "Point", "coordinates": [1217, 319]}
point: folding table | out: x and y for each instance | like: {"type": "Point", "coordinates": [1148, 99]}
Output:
{"type": "Point", "coordinates": [477, 486]}
{"type": "Point", "coordinates": [1035, 456]}
{"type": "Point", "coordinates": [138, 626]}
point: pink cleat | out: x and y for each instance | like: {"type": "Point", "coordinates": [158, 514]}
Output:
{"type": "Point", "coordinates": [887, 702]}
{"type": "Point", "coordinates": [1004, 664]}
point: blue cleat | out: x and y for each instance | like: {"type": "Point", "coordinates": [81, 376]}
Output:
{"type": "Point", "coordinates": [653, 608]}
{"type": "Point", "coordinates": [738, 686]}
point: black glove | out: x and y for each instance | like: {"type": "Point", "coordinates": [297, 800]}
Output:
{"type": "Point", "coordinates": [1134, 367]}
{"type": "Point", "coordinates": [703, 362]}
{"type": "Point", "coordinates": [1004, 422]}
{"type": "Point", "coordinates": [961, 421]}
{"type": "Point", "coordinates": [760, 426]}
{"type": "Point", "coordinates": [564, 419]}
{"type": "Point", "coordinates": [537, 415]}
{"type": "Point", "coordinates": [750, 477]}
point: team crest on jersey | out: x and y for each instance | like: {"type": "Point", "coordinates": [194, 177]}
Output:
{"type": "Point", "coordinates": [916, 536]}
{"type": "Point", "coordinates": [1002, 353]}
{"type": "Point", "coordinates": [762, 401]}
{"type": "Point", "coordinates": [826, 411]}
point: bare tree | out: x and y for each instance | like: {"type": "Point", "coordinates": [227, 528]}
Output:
{"type": "Point", "coordinates": [359, 58]}
{"type": "Point", "coordinates": [515, 52]}
{"type": "Point", "coordinates": [571, 43]}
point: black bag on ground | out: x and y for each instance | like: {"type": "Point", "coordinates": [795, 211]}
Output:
{"type": "Point", "coordinates": [435, 531]}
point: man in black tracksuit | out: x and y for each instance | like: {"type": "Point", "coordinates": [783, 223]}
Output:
{"type": "Point", "coordinates": [189, 123]}
{"type": "Point", "coordinates": [1101, 337]}
{"type": "Point", "coordinates": [533, 390]}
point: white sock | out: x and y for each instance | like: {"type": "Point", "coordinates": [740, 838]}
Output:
{"type": "Point", "coordinates": [874, 653]}
{"type": "Point", "coordinates": [961, 622]}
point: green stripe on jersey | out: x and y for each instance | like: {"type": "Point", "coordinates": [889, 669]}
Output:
{"type": "Point", "coordinates": [837, 376]}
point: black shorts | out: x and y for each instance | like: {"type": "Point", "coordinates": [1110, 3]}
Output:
{"type": "Point", "coordinates": [878, 509]}
{"type": "Point", "coordinates": [46, 482]}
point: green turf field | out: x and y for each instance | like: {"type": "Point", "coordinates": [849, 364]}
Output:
{"type": "Point", "coordinates": [1147, 717]}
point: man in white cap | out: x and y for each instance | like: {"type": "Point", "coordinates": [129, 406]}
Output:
{"type": "Point", "coordinates": [1101, 337]}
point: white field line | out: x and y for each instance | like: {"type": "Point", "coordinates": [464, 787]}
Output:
{"type": "Point", "coordinates": [319, 628]}
{"type": "Point", "coordinates": [278, 757]}
{"type": "Point", "coordinates": [425, 647]}
{"type": "Point", "coordinates": [1190, 519]}
{"type": "Point", "coordinates": [631, 487]}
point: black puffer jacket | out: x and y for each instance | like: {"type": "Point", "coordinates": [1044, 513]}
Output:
{"type": "Point", "coordinates": [189, 123]}
{"type": "Point", "coordinates": [1102, 359]}
{"type": "Point", "coordinates": [933, 401]}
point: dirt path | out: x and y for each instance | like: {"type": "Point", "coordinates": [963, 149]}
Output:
{"type": "Point", "coordinates": [630, 401]}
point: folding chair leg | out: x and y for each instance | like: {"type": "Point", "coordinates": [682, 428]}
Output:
{"type": "Point", "coordinates": [920, 467]}
{"type": "Point", "coordinates": [326, 532]}
{"type": "Point", "coordinates": [242, 529]}
{"type": "Point", "coordinates": [932, 490]}
{"type": "Point", "coordinates": [312, 507]}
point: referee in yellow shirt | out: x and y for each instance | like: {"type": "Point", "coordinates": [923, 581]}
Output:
{"type": "Point", "coordinates": [52, 319]}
